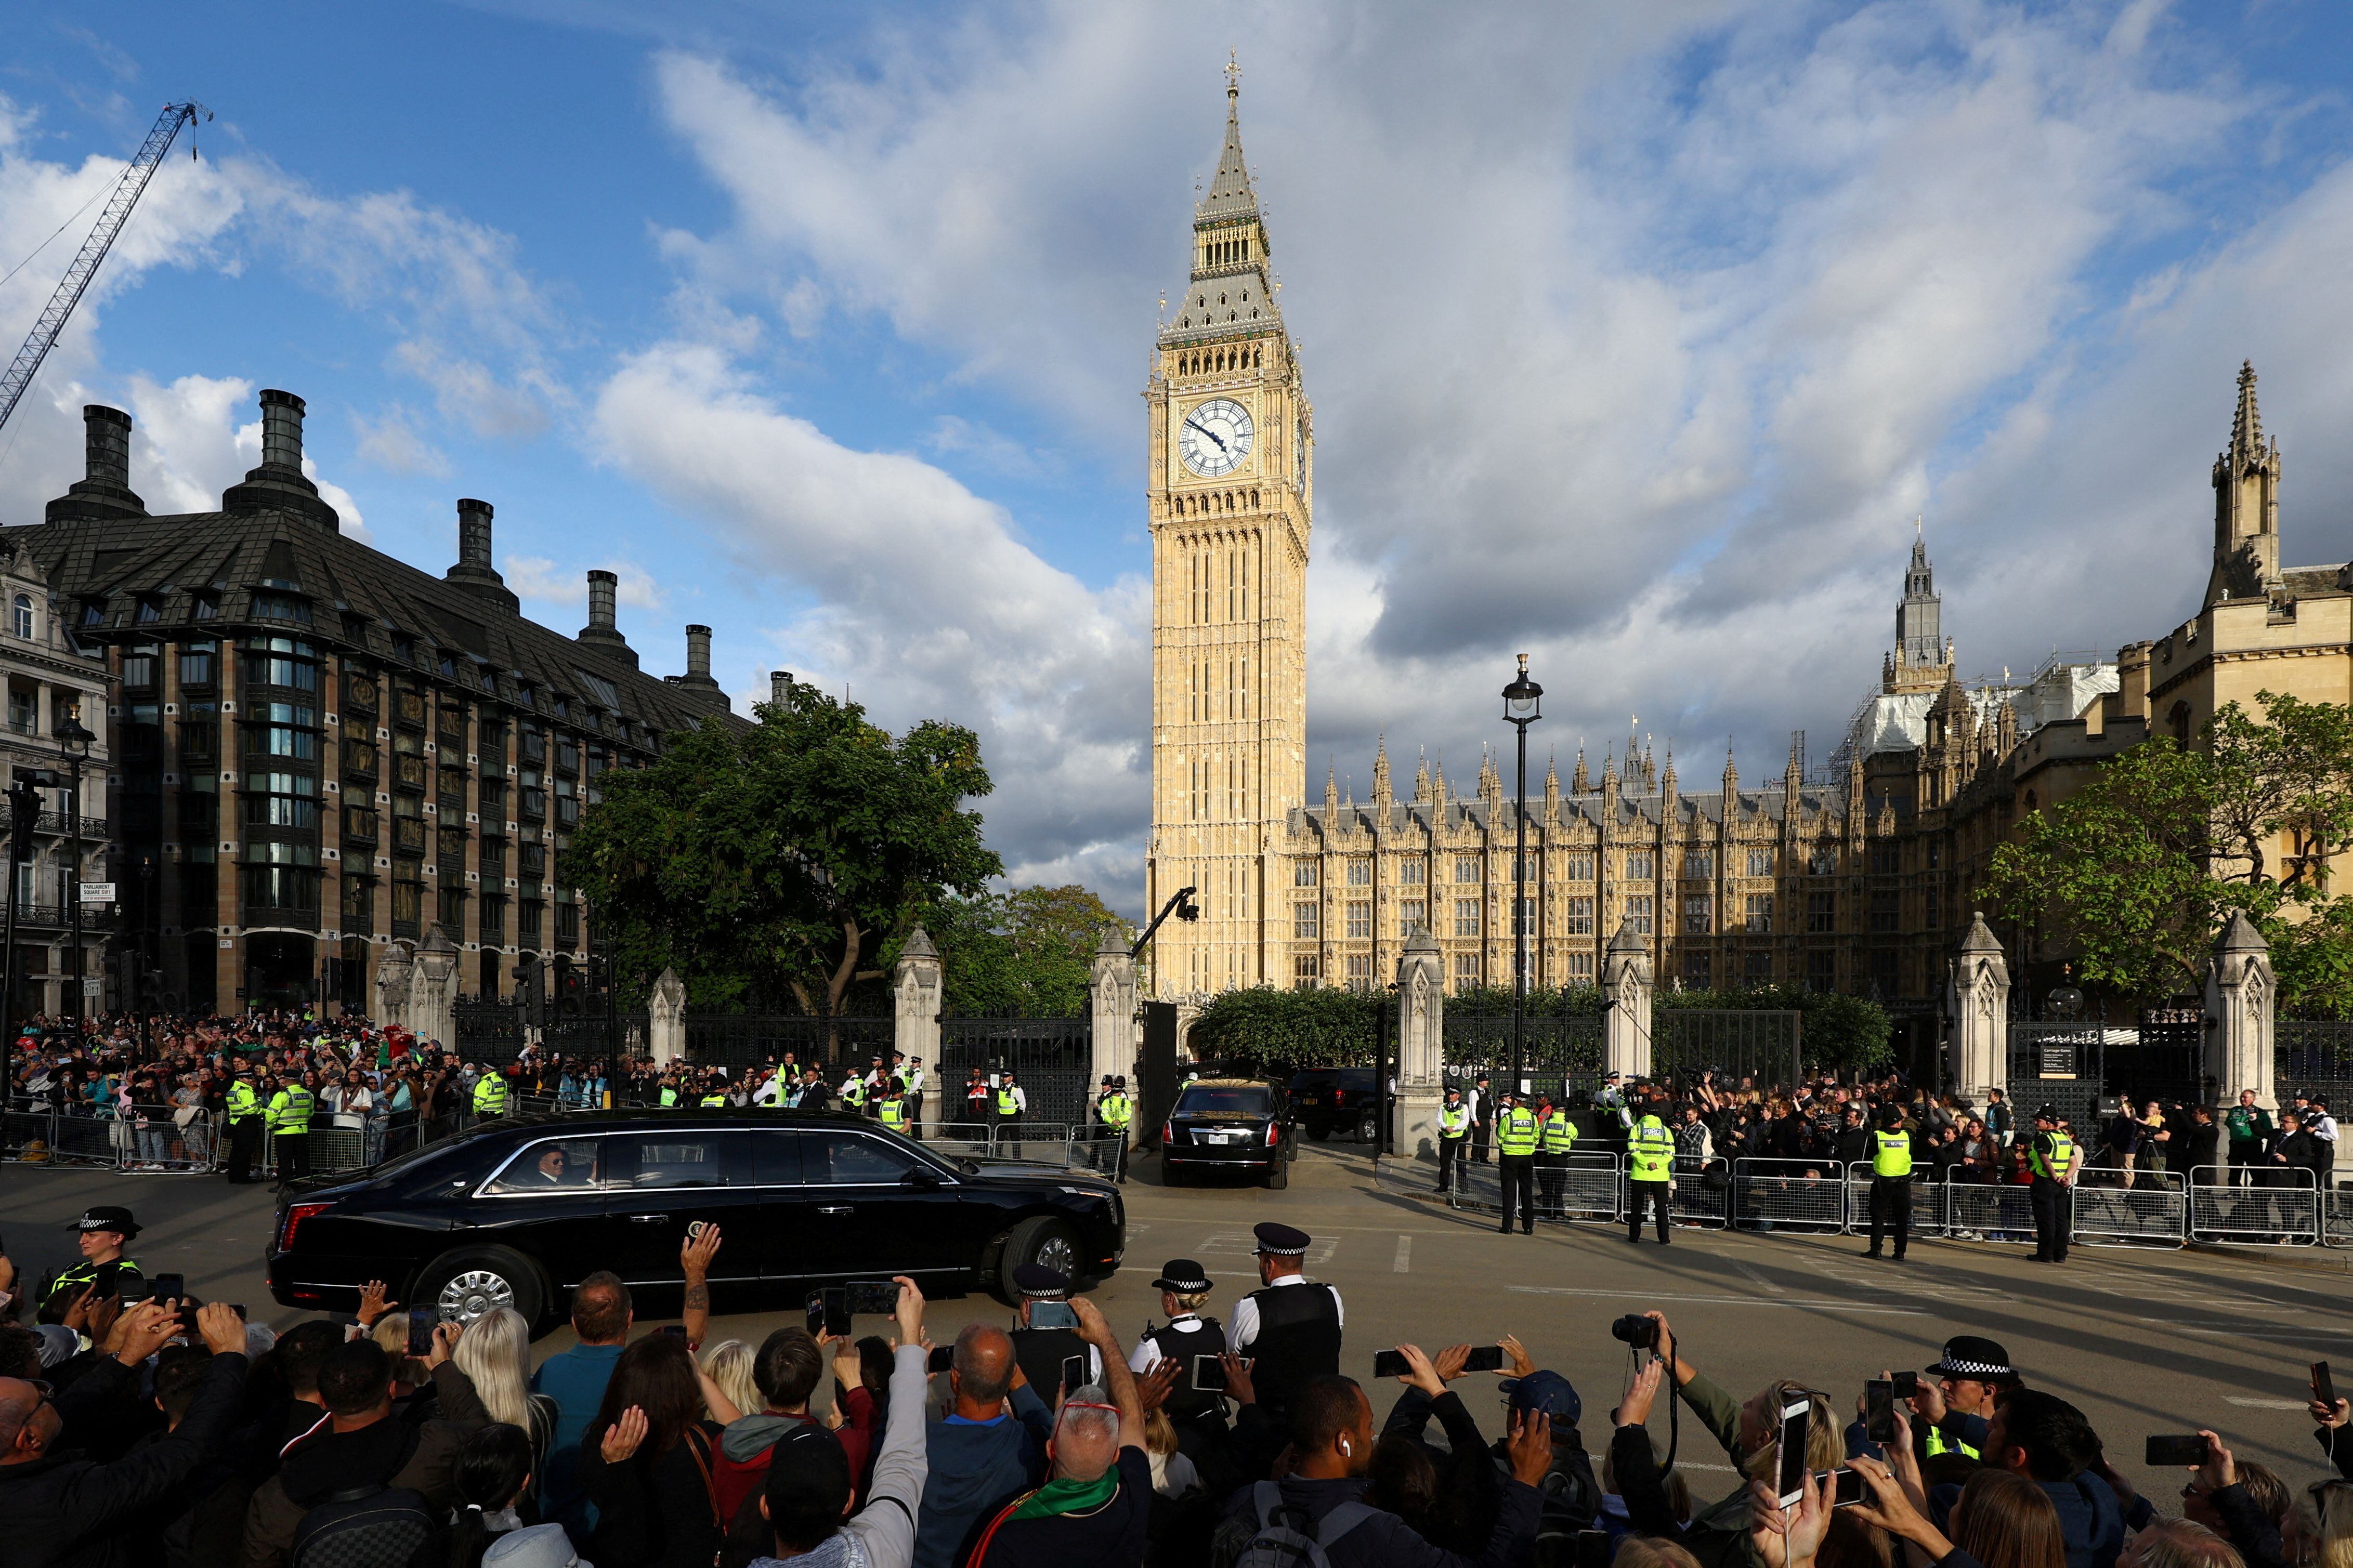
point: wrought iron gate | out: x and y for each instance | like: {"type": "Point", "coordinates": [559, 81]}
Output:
{"type": "Point", "coordinates": [1762, 1046]}
{"type": "Point", "coordinates": [1050, 1058]}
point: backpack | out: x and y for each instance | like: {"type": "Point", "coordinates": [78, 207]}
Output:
{"type": "Point", "coordinates": [1287, 1538]}
{"type": "Point", "coordinates": [368, 1527]}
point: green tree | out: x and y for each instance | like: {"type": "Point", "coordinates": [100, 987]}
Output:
{"type": "Point", "coordinates": [1848, 1033]}
{"type": "Point", "coordinates": [1026, 954]}
{"type": "Point", "coordinates": [772, 859]}
{"type": "Point", "coordinates": [1284, 1030]}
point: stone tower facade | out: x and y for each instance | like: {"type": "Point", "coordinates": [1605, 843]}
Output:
{"type": "Point", "coordinates": [1230, 439]}
{"type": "Point", "coordinates": [2246, 505]}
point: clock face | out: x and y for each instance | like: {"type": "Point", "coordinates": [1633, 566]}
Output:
{"type": "Point", "coordinates": [1216, 437]}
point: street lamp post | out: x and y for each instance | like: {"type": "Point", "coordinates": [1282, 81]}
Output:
{"type": "Point", "coordinates": [74, 741]}
{"type": "Point", "coordinates": [1523, 704]}
{"type": "Point", "coordinates": [23, 810]}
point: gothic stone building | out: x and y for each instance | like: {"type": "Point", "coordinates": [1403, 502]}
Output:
{"type": "Point", "coordinates": [319, 751]}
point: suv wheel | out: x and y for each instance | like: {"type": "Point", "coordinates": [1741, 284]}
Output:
{"type": "Point", "coordinates": [1319, 1131]}
{"type": "Point", "coordinates": [1038, 1239]}
{"type": "Point", "coordinates": [466, 1283]}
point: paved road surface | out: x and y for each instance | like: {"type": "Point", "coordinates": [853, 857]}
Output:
{"type": "Point", "coordinates": [2144, 1341]}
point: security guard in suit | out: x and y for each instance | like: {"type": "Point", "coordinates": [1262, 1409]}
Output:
{"type": "Point", "coordinates": [289, 1124]}
{"type": "Point", "coordinates": [1515, 1158]}
{"type": "Point", "coordinates": [2052, 1157]}
{"type": "Point", "coordinates": [1453, 1137]}
{"type": "Point", "coordinates": [1891, 1182]}
{"type": "Point", "coordinates": [490, 1093]}
{"type": "Point", "coordinates": [1555, 1136]}
{"type": "Point", "coordinates": [245, 1118]}
{"type": "Point", "coordinates": [1650, 1173]}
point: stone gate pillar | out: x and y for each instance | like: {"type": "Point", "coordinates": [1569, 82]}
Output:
{"type": "Point", "coordinates": [2240, 993]}
{"type": "Point", "coordinates": [1421, 1046]}
{"type": "Point", "coordinates": [1978, 1048]}
{"type": "Point", "coordinates": [665, 1019]}
{"type": "Point", "coordinates": [1626, 983]}
{"type": "Point", "coordinates": [915, 1000]}
{"type": "Point", "coordinates": [1110, 1007]}
{"type": "Point", "coordinates": [433, 995]}
{"type": "Point", "coordinates": [393, 977]}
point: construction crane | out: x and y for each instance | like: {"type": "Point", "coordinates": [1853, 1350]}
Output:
{"type": "Point", "coordinates": [127, 191]}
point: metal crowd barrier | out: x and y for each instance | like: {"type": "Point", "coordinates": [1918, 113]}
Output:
{"type": "Point", "coordinates": [2153, 1210]}
{"type": "Point", "coordinates": [1592, 1187]}
{"type": "Point", "coordinates": [2337, 1210]}
{"type": "Point", "coordinates": [967, 1140]}
{"type": "Point", "coordinates": [1789, 1195]}
{"type": "Point", "coordinates": [1989, 1211]}
{"type": "Point", "coordinates": [160, 1142]}
{"type": "Point", "coordinates": [2284, 1210]}
{"type": "Point", "coordinates": [1015, 1139]}
{"type": "Point", "coordinates": [1702, 1194]}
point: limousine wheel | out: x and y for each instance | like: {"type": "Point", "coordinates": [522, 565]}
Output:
{"type": "Point", "coordinates": [473, 1280]}
{"type": "Point", "coordinates": [1036, 1239]}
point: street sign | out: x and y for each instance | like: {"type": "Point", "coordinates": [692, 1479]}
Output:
{"type": "Point", "coordinates": [93, 986]}
{"type": "Point", "coordinates": [98, 892]}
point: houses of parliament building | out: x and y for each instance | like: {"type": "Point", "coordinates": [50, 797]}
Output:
{"type": "Point", "coordinates": [1860, 875]}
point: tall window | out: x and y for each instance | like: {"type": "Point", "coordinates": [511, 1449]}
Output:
{"type": "Point", "coordinates": [1699, 914]}
{"type": "Point", "coordinates": [1304, 874]}
{"type": "Point", "coordinates": [1466, 971]}
{"type": "Point", "coordinates": [1409, 872]}
{"type": "Point", "coordinates": [1824, 863]}
{"type": "Point", "coordinates": [1756, 967]}
{"type": "Point", "coordinates": [197, 663]}
{"type": "Point", "coordinates": [1466, 868]}
{"type": "Point", "coordinates": [1698, 971]}
{"type": "Point", "coordinates": [1578, 918]}
{"type": "Point", "coordinates": [1821, 911]}
{"type": "Point", "coordinates": [1525, 924]}
{"type": "Point", "coordinates": [1758, 915]}
{"type": "Point", "coordinates": [1699, 865]}
{"type": "Point", "coordinates": [23, 617]}
{"type": "Point", "coordinates": [1638, 914]}
{"type": "Point", "coordinates": [1883, 911]}
{"type": "Point", "coordinates": [1360, 972]}
{"type": "Point", "coordinates": [1360, 918]}
{"type": "Point", "coordinates": [1638, 865]}
{"type": "Point", "coordinates": [1303, 970]}
{"type": "Point", "coordinates": [1936, 912]}
{"type": "Point", "coordinates": [1411, 913]}
{"type": "Point", "coordinates": [1303, 921]}
{"type": "Point", "coordinates": [1360, 871]}
{"type": "Point", "coordinates": [1466, 917]}
{"type": "Point", "coordinates": [281, 800]}
{"type": "Point", "coordinates": [1580, 866]}
{"type": "Point", "coordinates": [1760, 862]}
{"type": "Point", "coordinates": [1580, 967]}
{"type": "Point", "coordinates": [1821, 971]}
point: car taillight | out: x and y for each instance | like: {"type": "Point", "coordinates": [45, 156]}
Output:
{"type": "Point", "coordinates": [295, 1215]}
{"type": "Point", "coordinates": [1168, 1132]}
{"type": "Point", "coordinates": [1270, 1134]}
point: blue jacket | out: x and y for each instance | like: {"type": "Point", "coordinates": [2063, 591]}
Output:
{"type": "Point", "coordinates": [576, 1380]}
{"type": "Point", "coordinates": [2090, 1522]}
{"type": "Point", "coordinates": [975, 1468]}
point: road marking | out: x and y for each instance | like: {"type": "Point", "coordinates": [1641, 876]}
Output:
{"type": "Point", "coordinates": [2265, 1404]}
{"type": "Point", "coordinates": [1319, 1253]}
{"type": "Point", "coordinates": [1708, 1301]}
{"type": "Point", "coordinates": [1759, 1280]}
{"type": "Point", "coordinates": [1404, 1264]}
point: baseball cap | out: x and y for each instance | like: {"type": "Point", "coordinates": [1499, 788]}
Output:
{"type": "Point", "coordinates": [1546, 1391]}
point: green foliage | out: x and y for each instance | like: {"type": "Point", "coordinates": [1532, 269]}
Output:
{"type": "Point", "coordinates": [1544, 1001]}
{"type": "Point", "coordinates": [1843, 1032]}
{"type": "Point", "coordinates": [769, 861]}
{"type": "Point", "coordinates": [2312, 959]}
{"type": "Point", "coordinates": [1029, 953]}
{"type": "Point", "coordinates": [1285, 1030]}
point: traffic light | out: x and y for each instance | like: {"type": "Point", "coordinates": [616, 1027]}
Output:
{"type": "Point", "coordinates": [531, 989]}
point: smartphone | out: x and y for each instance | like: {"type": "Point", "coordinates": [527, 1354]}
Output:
{"type": "Point", "coordinates": [102, 1280]}
{"type": "Point", "coordinates": [420, 1330]}
{"type": "Point", "coordinates": [1593, 1549]}
{"type": "Point", "coordinates": [880, 1298]}
{"type": "Point", "coordinates": [168, 1287]}
{"type": "Point", "coordinates": [2322, 1388]}
{"type": "Point", "coordinates": [829, 1310]}
{"type": "Point", "coordinates": [1485, 1358]}
{"type": "Point", "coordinates": [815, 1312]}
{"type": "Point", "coordinates": [1046, 1314]}
{"type": "Point", "coordinates": [1074, 1375]}
{"type": "Point", "coordinates": [1209, 1375]}
{"type": "Point", "coordinates": [1792, 1482]}
{"type": "Point", "coordinates": [942, 1358]}
{"type": "Point", "coordinates": [1390, 1363]}
{"type": "Point", "coordinates": [2189, 1450]}
{"type": "Point", "coordinates": [1879, 1411]}
{"type": "Point", "coordinates": [1847, 1488]}
{"type": "Point", "coordinates": [1907, 1386]}
{"type": "Point", "coordinates": [678, 1329]}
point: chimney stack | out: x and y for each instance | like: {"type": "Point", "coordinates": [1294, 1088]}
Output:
{"type": "Point", "coordinates": [104, 489]}
{"type": "Point", "coordinates": [278, 485]}
{"type": "Point", "coordinates": [697, 677]}
{"type": "Point", "coordinates": [602, 632]}
{"type": "Point", "coordinates": [474, 571]}
{"type": "Point", "coordinates": [780, 685]}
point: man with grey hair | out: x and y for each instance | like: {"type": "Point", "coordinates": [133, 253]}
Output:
{"type": "Point", "coordinates": [1095, 1507]}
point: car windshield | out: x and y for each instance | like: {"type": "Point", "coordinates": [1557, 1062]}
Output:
{"type": "Point", "coordinates": [1201, 1102]}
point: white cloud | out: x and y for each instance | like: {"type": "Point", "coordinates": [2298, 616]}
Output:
{"type": "Point", "coordinates": [564, 591]}
{"type": "Point", "coordinates": [391, 441]}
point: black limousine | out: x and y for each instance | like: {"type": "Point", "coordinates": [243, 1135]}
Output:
{"type": "Point", "coordinates": [1227, 1124]}
{"type": "Point", "coordinates": [518, 1211]}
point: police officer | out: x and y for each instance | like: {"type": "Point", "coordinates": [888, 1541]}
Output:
{"type": "Point", "coordinates": [668, 1095]}
{"type": "Point", "coordinates": [1650, 1173]}
{"type": "Point", "coordinates": [103, 1233]}
{"type": "Point", "coordinates": [245, 1118]}
{"type": "Point", "coordinates": [1040, 1351]}
{"type": "Point", "coordinates": [1516, 1157]}
{"type": "Point", "coordinates": [1198, 1416]}
{"type": "Point", "coordinates": [853, 1093]}
{"type": "Point", "coordinates": [1290, 1325]}
{"type": "Point", "coordinates": [289, 1124]}
{"type": "Point", "coordinates": [2052, 1158]}
{"type": "Point", "coordinates": [1483, 1117]}
{"type": "Point", "coordinates": [715, 1095]}
{"type": "Point", "coordinates": [1453, 1133]}
{"type": "Point", "coordinates": [1115, 1111]}
{"type": "Point", "coordinates": [1891, 1182]}
{"type": "Point", "coordinates": [490, 1093]}
{"type": "Point", "coordinates": [1555, 1136]}
{"type": "Point", "coordinates": [1012, 1103]}
{"type": "Point", "coordinates": [913, 1079]}
{"type": "Point", "coordinates": [890, 1111]}
{"type": "Point", "coordinates": [1956, 1408]}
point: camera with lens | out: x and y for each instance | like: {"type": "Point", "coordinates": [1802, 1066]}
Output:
{"type": "Point", "coordinates": [1639, 1332]}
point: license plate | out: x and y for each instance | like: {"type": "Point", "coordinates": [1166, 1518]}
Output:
{"type": "Point", "coordinates": [1221, 1136]}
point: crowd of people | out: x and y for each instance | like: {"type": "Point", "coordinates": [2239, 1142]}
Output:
{"type": "Point", "coordinates": [168, 1432]}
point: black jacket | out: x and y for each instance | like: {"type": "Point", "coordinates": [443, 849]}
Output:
{"type": "Point", "coordinates": [71, 1512]}
{"type": "Point", "coordinates": [653, 1508]}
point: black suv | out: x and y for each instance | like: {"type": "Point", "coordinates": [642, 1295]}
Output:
{"type": "Point", "coordinates": [1325, 1101]}
{"type": "Point", "coordinates": [1227, 1124]}
{"type": "Point", "coordinates": [516, 1213]}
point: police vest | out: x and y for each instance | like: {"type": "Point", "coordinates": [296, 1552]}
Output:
{"type": "Point", "coordinates": [1453, 1121]}
{"type": "Point", "coordinates": [130, 1284]}
{"type": "Point", "coordinates": [1298, 1339]}
{"type": "Point", "coordinates": [1937, 1443]}
{"type": "Point", "coordinates": [1114, 1111]}
{"type": "Point", "coordinates": [914, 1082]}
{"type": "Point", "coordinates": [1516, 1132]}
{"type": "Point", "coordinates": [1186, 1403]}
{"type": "Point", "coordinates": [853, 1093]}
{"type": "Point", "coordinates": [1559, 1133]}
{"type": "Point", "coordinates": [1006, 1104]}
{"type": "Point", "coordinates": [243, 1103]}
{"type": "Point", "coordinates": [713, 1101]}
{"type": "Point", "coordinates": [892, 1113]}
{"type": "Point", "coordinates": [2062, 1154]}
{"type": "Point", "coordinates": [1891, 1155]}
{"type": "Point", "coordinates": [291, 1111]}
{"type": "Point", "coordinates": [1649, 1151]}
{"type": "Point", "coordinates": [491, 1095]}
{"type": "Point", "coordinates": [669, 1096]}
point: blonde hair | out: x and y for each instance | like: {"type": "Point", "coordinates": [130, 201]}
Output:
{"type": "Point", "coordinates": [1159, 1433]}
{"type": "Point", "coordinates": [391, 1332]}
{"type": "Point", "coordinates": [1825, 1448]}
{"type": "Point", "coordinates": [2324, 1519]}
{"type": "Point", "coordinates": [495, 1353]}
{"type": "Point", "coordinates": [1649, 1552]}
{"type": "Point", "coordinates": [728, 1364]}
{"type": "Point", "coordinates": [2184, 1544]}
{"type": "Point", "coordinates": [1189, 1301]}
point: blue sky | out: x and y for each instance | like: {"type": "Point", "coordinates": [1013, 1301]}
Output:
{"type": "Point", "coordinates": [1637, 335]}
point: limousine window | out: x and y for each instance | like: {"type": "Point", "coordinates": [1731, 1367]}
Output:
{"type": "Point", "coordinates": [678, 1160]}
{"type": "Point", "coordinates": [569, 1162]}
{"type": "Point", "coordinates": [846, 1157]}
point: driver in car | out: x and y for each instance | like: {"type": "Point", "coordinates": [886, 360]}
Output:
{"type": "Point", "coordinates": [553, 1168]}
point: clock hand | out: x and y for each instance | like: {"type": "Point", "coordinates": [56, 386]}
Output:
{"type": "Point", "coordinates": [1205, 430]}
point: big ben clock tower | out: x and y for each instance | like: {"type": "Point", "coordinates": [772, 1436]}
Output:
{"type": "Point", "coordinates": [1230, 476]}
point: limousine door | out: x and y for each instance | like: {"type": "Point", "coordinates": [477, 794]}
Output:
{"type": "Point", "coordinates": [870, 1210]}
{"type": "Point", "coordinates": [658, 1183]}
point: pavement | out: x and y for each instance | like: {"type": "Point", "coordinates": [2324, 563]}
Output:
{"type": "Point", "coordinates": [2143, 1340]}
